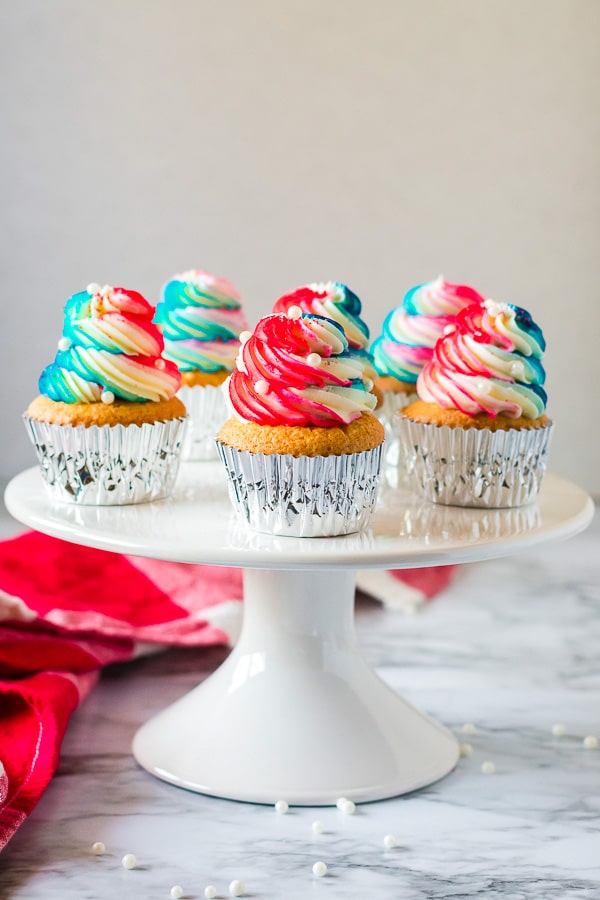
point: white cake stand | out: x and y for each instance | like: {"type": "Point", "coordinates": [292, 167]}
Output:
{"type": "Point", "coordinates": [294, 712]}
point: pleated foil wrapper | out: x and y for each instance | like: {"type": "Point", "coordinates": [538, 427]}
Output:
{"type": "Point", "coordinates": [386, 414]}
{"type": "Point", "coordinates": [305, 496]}
{"type": "Point", "coordinates": [207, 412]}
{"type": "Point", "coordinates": [473, 467]}
{"type": "Point", "coordinates": [108, 465]}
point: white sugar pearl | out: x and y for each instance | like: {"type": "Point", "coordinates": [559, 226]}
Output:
{"type": "Point", "coordinates": [129, 861]}
{"type": "Point", "coordinates": [160, 364]}
{"type": "Point", "coordinates": [488, 767]}
{"type": "Point", "coordinates": [210, 892]}
{"type": "Point", "coordinates": [313, 359]}
{"type": "Point", "coordinates": [319, 869]}
{"type": "Point", "coordinates": [236, 888]}
{"type": "Point", "coordinates": [107, 397]}
{"type": "Point", "coordinates": [93, 288]}
{"type": "Point", "coordinates": [339, 803]}
{"type": "Point", "coordinates": [64, 344]}
{"type": "Point", "coordinates": [261, 386]}
{"type": "Point", "coordinates": [389, 842]}
{"type": "Point", "coordinates": [590, 742]}
{"type": "Point", "coordinates": [558, 730]}
{"type": "Point", "coordinates": [98, 848]}
{"type": "Point", "coordinates": [281, 807]}
{"type": "Point", "coordinates": [449, 329]}
{"type": "Point", "coordinates": [349, 808]}
{"type": "Point", "coordinates": [244, 336]}
{"type": "Point", "coordinates": [317, 827]}
{"type": "Point", "coordinates": [466, 749]}
{"type": "Point", "coordinates": [294, 312]}
{"type": "Point", "coordinates": [176, 892]}
{"type": "Point", "coordinates": [469, 728]}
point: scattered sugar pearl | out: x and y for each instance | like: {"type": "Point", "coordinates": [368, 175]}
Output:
{"type": "Point", "coordinates": [294, 312]}
{"type": "Point", "coordinates": [317, 827]}
{"type": "Point", "coordinates": [160, 364]}
{"type": "Point", "coordinates": [469, 728]}
{"type": "Point", "coordinates": [488, 767]}
{"type": "Point", "coordinates": [93, 288]}
{"type": "Point", "coordinates": [210, 892]}
{"type": "Point", "coordinates": [236, 888]}
{"type": "Point", "coordinates": [107, 397]}
{"type": "Point", "coordinates": [281, 807]}
{"type": "Point", "coordinates": [261, 387]}
{"type": "Point", "coordinates": [348, 808]}
{"type": "Point", "coordinates": [389, 842]}
{"type": "Point", "coordinates": [245, 336]}
{"type": "Point", "coordinates": [98, 848]}
{"type": "Point", "coordinates": [129, 861]}
{"type": "Point", "coordinates": [319, 869]}
{"type": "Point", "coordinates": [558, 730]}
{"type": "Point", "coordinates": [449, 329]}
{"type": "Point", "coordinates": [313, 359]}
{"type": "Point", "coordinates": [64, 343]}
{"type": "Point", "coordinates": [590, 742]}
{"type": "Point", "coordinates": [466, 749]}
{"type": "Point", "coordinates": [176, 892]}
{"type": "Point", "coordinates": [340, 802]}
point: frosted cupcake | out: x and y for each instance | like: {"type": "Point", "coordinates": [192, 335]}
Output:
{"type": "Point", "coordinates": [107, 425]}
{"type": "Point", "coordinates": [201, 319]}
{"type": "Point", "coordinates": [479, 435]}
{"type": "Point", "coordinates": [303, 449]}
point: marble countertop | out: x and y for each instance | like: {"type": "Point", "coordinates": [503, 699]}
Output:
{"type": "Point", "coordinates": [512, 647]}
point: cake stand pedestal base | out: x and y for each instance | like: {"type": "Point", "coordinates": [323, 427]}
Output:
{"type": "Point", "coordinates": [294, 713]}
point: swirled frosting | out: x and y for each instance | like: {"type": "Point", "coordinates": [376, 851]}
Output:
{"type": "Point", "coordinates": [296, 369]}
{"type": "Point", "coordinates": [488, 362]}
{"type": "Point", "coordinates": [410, 331]}
{"type": "Point", "coordinates": [333, 300]}
{"type": "Point", "coordinates": [109, 349]}
{"type": "Point", "coordinates": [201, 319]}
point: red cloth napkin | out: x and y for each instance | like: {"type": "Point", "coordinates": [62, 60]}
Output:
{"type": "Point", "coordinates": [66, 611]}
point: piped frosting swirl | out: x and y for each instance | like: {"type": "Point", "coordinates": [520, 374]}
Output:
{"type": "Point", "coordinates": [488, 361]}
{"type": "Point", "coordinates": [201, 319]}
{"type": "Point", "coordinates": [296, 369]}
{"type": "Point", "coordinates": [109, 349]}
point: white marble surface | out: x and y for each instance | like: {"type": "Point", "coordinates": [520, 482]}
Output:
{"type": "Point", "coordinates": [511, 647]}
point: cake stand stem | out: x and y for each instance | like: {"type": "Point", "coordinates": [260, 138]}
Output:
{"type": "Point", "coordinates": [294, 712]}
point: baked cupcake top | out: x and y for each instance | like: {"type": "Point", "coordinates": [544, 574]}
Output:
{"type": "Point", "coordinates": [296, 369]}
{"type": "Point", "coordinates": [333, 300]}
{"type": "Point", "coordinates": [110, 350]}
{"type": "Point", "coordinates": [488, 361]}
{"type": "Point", "coordinates": [410, 331]}
{"type": "Point", "coordinates": [201, 319]}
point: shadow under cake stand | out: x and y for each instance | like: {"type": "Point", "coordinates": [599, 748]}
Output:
{"type": "Point", "coordinates": [294, 712]}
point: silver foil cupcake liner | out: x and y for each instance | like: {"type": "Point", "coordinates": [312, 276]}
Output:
{"type": "Point", "coordinates": [305, 496]}
{"type": "Point", "coordinates": [473, 467]}
{"type": "Point", "coordinates": [386, 413]}
{"type": "Point", "coordinates": [108, 465]}
{"type": "Point", "coordinates": [207, 412]}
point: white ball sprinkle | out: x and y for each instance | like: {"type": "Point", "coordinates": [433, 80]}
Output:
{"type": "Point", "coordinates": [129, 861]}
{"type": "Point", "coordinates": [590, 742]}
{"type": "Point", "coordinates": [558, 730]}
{"type": "Point", "coordinates": [281, 807]}
{"type": "Point", "coordinates": [98, 848]}
{"type": "Point", "coordinates": [488, 767]}
{"type": "Point", "coordinates": [244, 336]}
{"type": "Point", "coordinates": [469, 728]}
{"type": "Point", "coordinates": [317, 827]}
{"type": "Point", "coordinates": [389, 842]}
{"type": "Point", "coordinates": [64, 343]}
{"type": "Point", "coordinates": [466, 749]}
{"type": "Point", "coordinates": [160, 364]}
{"type": "Point", "coordinates": [319, 869]}
{"type": "Point", "coordinates": [294, 312]}
{"type": "Point", "coordinates": [313, 359]}
{"type": "Point", "coordinates": [176, 892]}
{"type": "Point", "coordinates": [349, 808]}
{"type": "Point", "coordinates": [93, 288]}
{"type": "Point", "coordinates": [261, 386]}
{"type": "Point", "coordinates": [339, 803]}
{"type": "Point", "coordinates": [236, 888]}
{"type": "Point", "coordinates": [107, 397]}
{"type": "Point", "coordinates": [210, 892]}
{"type": "Point", "coordinates": [449, 329]}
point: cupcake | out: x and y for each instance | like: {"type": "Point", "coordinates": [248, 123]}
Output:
{"type": "Point", "coordinates": [479, 434]}
{"type": "Point", "coordinates": [408, 337]}
{"type": "Point", "coordinates": [302, 450]}
{"type": "Point", "coordinates": [107, 425]}
{"type": "Point", "coordinates": [201, 318]}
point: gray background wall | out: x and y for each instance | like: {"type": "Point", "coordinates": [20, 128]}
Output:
{"type": "Point", "coordinates": [276, 143]}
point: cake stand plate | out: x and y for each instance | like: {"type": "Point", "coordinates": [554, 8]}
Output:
{"type": "Point", "coordinates": [294, 712]}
